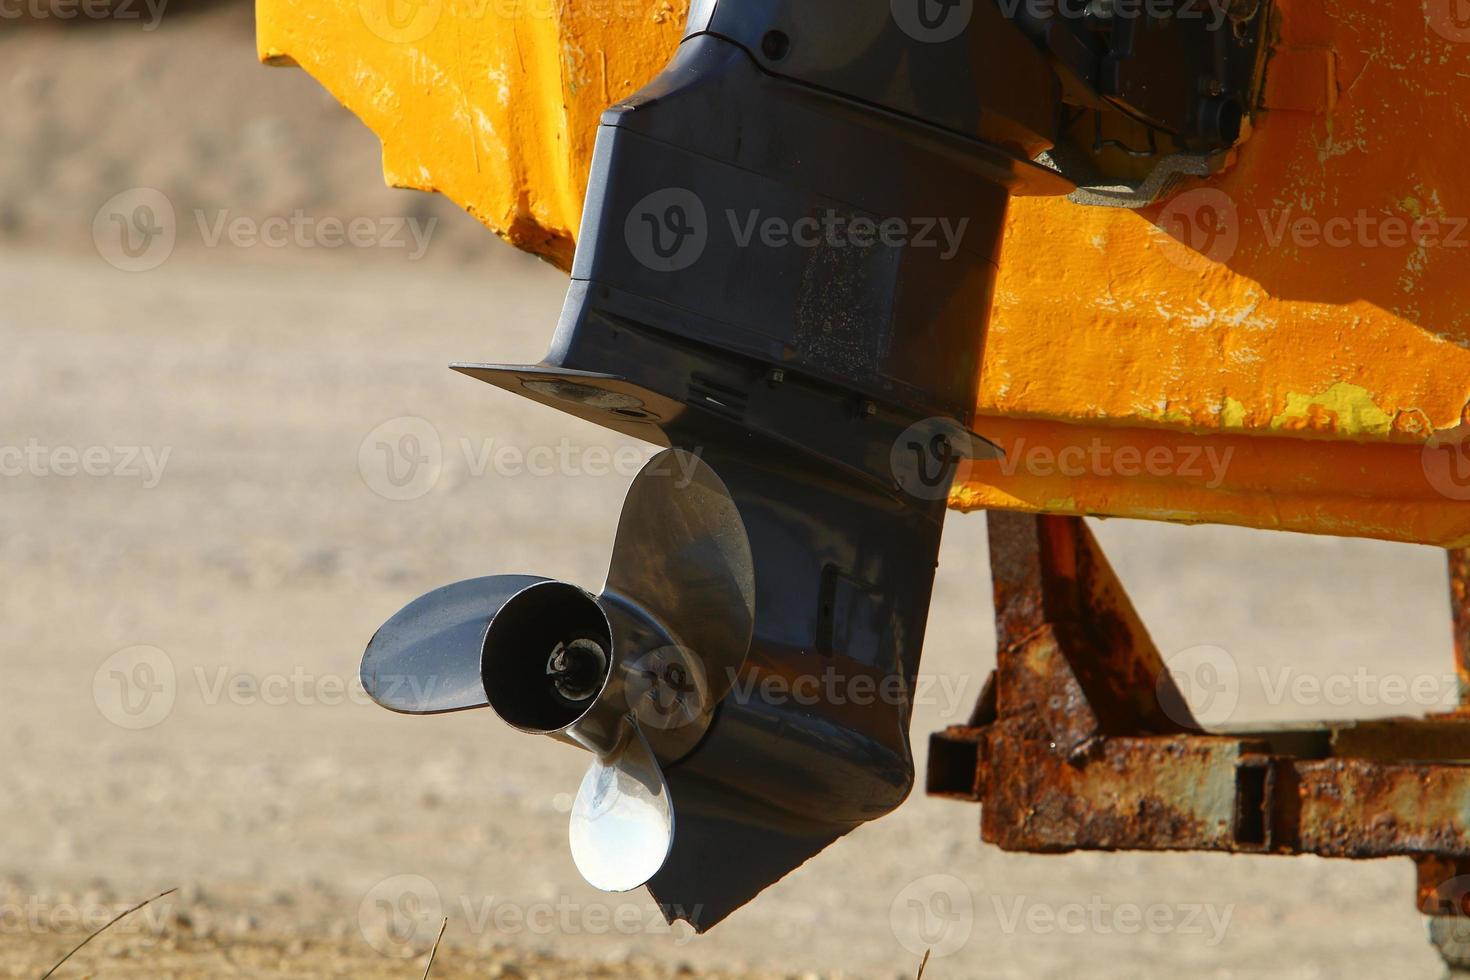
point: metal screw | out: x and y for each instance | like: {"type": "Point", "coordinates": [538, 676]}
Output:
{"type": "Point", "coordinates": [576, 669]}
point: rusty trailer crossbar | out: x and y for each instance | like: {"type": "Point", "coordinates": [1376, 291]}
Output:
{"type": "Point", "coordinates": [1082, 739]}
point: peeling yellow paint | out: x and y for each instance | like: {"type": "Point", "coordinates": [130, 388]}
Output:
{"type": "Point", "coordinates": [1233, 414]}
{"type": "Point", "coordinates": [492, 104]}
{"type": "Point", "coordinates": [1345, 410]}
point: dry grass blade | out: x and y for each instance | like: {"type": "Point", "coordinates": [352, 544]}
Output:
{"type": "Point", "coordinates": [103, 928]}
{"type": "Point", "coordinates": [435, 951]}
{"type": "Point", "coordinates": [923, 963]}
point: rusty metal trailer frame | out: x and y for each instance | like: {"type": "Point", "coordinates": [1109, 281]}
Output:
{"type": "Point", "coordinates": [1082, 740]}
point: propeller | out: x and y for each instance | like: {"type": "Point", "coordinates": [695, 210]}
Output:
{"type": "Point", "coordinates": [622, 825]}
{"type": "Point", "coordinates": [633, 674]}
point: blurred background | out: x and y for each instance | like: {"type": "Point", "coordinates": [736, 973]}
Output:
{"type": "Point", "coordinates": [230, 448]}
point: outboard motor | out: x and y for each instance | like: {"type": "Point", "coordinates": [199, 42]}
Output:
{"type": "Point", "coordinates": [783, 275]}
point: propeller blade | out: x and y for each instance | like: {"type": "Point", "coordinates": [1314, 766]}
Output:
{"type": "Point", "coordinates": [622, 825]}
{"type": "Point", "coordinates": [683, 558]}
{"type": "Point", "coordinates": [426, 659]}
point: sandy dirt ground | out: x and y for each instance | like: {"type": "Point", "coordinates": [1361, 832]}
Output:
{"type": "Point", "coordinates": [182, 626]}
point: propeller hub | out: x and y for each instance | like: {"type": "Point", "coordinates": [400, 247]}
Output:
{"type": "Point", "coordinates": [577, 668]}
{"type": "Point", "coordinates": [546, 657]}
